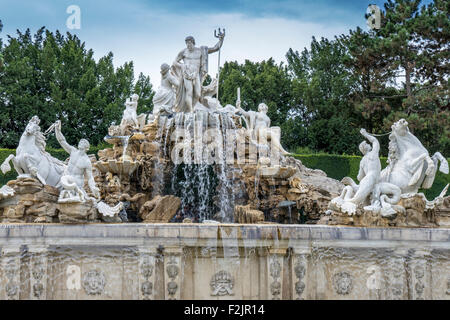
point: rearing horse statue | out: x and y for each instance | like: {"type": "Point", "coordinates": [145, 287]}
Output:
{"type": "Point", "coordinates": [410, 166]}
{"type": "Point", "coordinates": [31, 159]}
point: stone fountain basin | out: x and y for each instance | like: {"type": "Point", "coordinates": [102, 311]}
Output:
{"type": "Point", "coordinates": [261, 262]}
{"type": "Point", "coordinates": [119, 167]}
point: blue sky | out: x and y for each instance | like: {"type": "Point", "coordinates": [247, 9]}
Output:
{"type": "Point", "coordinates": [152, 32]}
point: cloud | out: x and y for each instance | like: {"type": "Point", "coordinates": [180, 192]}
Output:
{"type": "Point", "coordinates": [255, 39]}
{"type": "Point", "coordinates": [152, 32]}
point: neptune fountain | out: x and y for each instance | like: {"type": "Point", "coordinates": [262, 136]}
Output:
{"type": "Point", "coordinates": [201, 201]}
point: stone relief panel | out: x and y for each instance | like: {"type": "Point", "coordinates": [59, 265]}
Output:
{"type": "Point", "coordinates": [275, 268]}
{"type": "Point", "coordinates": [300, 272]}
{"type": "Point", "coordinates": [11, 274]}
{"type": "Point", "coordinates": [147, 271]}
{"type": "Point", "coordinates": [172, 269]}
{"type": "Point", "coordinates": [342, 283]}
{"type": "Point", "coordinates": [222, 284]}
{"type": "Point", "coordinates": [94, 282]}
{"type": "Point", "coordinates": [38, 279]}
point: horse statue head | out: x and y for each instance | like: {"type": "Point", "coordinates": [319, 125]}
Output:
{"type": "Point", "coordinates": [33, 126]}
{"type": "Point", "coordinates": [34, 130]}
{"type": "Point", "coordinates": [400, 128]}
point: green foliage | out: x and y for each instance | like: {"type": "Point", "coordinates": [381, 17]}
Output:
{"type": "Point", "coordinates": [338, 167]}
{"type": "Point", "coordinates": [56, 77]}
{"type": "Point", "coordinates": [264, 82]}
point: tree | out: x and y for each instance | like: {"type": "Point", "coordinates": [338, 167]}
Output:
{"type": "Point", "coordinates": [322, 85]}
{"type": "Point", "coordinates": [262, 82]}
{"type": "Point", "coordinates": [56, 77]}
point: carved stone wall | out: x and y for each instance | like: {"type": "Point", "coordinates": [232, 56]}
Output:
{"type": "Point", "coordinates": [250, 262]}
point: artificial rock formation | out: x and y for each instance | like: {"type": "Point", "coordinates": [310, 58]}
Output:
{"type": "Point", "coordinates": [160, 209]}
{"type": "Point", "coordinates": [245, 214]}
{"type": "Point", "coordinates": [32, 202]}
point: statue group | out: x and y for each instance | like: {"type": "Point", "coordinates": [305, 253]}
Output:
{"type": "Point", "coordinates": [122, 176]}
{"type": "Point", "coordinates": [410, 168]}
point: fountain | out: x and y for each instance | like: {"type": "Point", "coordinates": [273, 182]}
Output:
{"type": "Point", "coordinates": [201, 201]}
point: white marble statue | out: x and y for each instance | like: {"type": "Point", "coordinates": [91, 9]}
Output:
{"type": "Point", "coordinates": [258, 124]}
{"type": "Point", "coordinates": [410, 166]}
{"type": "Point", "coordinates": [164, 99]}
{"type": "Point", "coordinates": [130, 117]}
{"type": "Point", "coordinates": [373, 195]}
{"type": "Point", "coordinates": [191, 72]}
{"type": "Point", "coordinates": [78, 168]}
{"type": "Point", "coordinates": [368, 176]}
{"type": "Point", "coordinates": [31, 159]}
{"type": "Point", "coordinates": [6, 192]}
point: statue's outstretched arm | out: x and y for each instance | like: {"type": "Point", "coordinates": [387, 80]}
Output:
{"type": "Point", "coordinates": [62, 141]}
{"type": "Point", "coordinates": [238, 106]}
{"type": "Point", "coordinates": [373, 140]}
{"type": "Point", "coordinates": [216, 47]}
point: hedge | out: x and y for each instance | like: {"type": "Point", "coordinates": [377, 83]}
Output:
{"type": "Point", "coordinates": [338, 167]}
{"type": "Point", "coordinates": [335, 166]}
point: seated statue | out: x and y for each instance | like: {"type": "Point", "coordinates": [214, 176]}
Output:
{"type": "Point", "coordinates": [79, 167]}
{"type": "Point", "coordinates": [258, 123]}
{"type": "Point", "coordinates": [164, 99]}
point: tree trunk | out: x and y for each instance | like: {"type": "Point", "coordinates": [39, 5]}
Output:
{"type": "Point", "coordinates": [408, 79]}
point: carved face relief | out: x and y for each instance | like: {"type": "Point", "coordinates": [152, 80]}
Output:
{"type": "Point", "coordinates": [275, 269]}
{"type": "Point", "coordinates": [172, 271]}
{"type": "Point", "coordinates": [147, 269]}
{"type": "Point", "coordinates": [147, 288]}
{"type": "Point", "coordinates": [31, 128]}
{"type": "Point", "coordinates": [222, 284]}
{"type": "Point", "coordinates": [275, 288]}
{"type": "Point", "coordinates": [299, 287]}
{"type": "Point", "coordinates": [343, 283]}
{"type": "Point", "coordinates": [172, 288]}
{"type": "Point", "coordinates": [38, 270]}
{"type": "Point", "coordinates": [38, 288]}
{"type": "Point", "coordinates": [94, 282]}
{"type": "Point", "coordinates": [299, 270]}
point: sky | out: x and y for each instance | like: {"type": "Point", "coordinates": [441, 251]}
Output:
{"type": "Point", "coordinates": [152, 32]}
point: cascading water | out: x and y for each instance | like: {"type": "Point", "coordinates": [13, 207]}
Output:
{"type": "Point", "coordinates": [203, 179]}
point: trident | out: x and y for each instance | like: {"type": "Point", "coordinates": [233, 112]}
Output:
{"type": "Point", "coordinates": [219, 35]}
